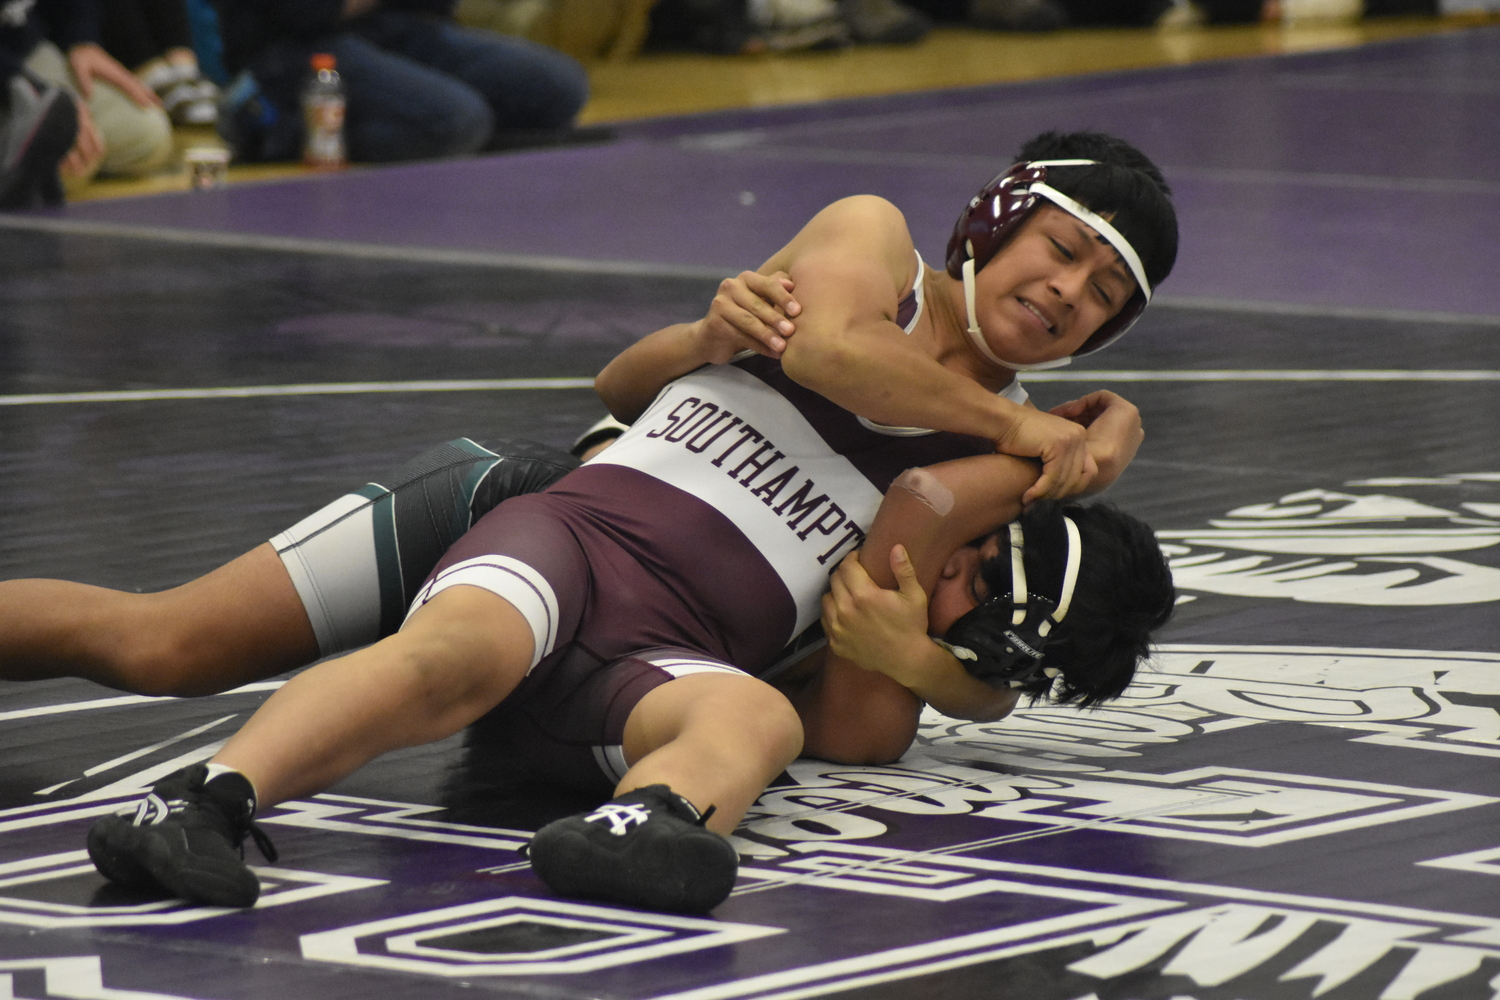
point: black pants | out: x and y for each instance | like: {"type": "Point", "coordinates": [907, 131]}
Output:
{"type": "Point", "coordinates": [137, 31]}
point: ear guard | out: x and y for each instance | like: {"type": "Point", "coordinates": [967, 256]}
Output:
{"type": "Point", "coordinates": [994, 213]}
{"type": "Point", "coordinates": [1009, 652]}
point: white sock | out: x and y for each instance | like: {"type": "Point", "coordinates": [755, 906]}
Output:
{"type": "Point", "coordinates": [214, 770]}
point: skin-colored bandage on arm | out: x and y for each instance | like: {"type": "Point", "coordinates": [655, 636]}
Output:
{"type": "Point", "coordinates": [927, 488]}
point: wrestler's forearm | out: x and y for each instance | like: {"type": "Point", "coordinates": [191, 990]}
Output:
{"type": "Point", "coordinates": [934, 675]}
{"type": "Point", "coordinates": [749, 312]}
{"type": "Point", "coordinates": [629, 383]}
{"type": "Point", "coordinates": [872, 370]}
{"type": "Point", "coordinates": [934, 511]}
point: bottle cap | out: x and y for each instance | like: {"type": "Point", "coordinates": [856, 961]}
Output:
{"type": "Point", "coordinates": [324, 60]}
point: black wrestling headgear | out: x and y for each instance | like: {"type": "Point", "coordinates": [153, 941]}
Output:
{"type": "Point", "coordinates": [1010, 653]}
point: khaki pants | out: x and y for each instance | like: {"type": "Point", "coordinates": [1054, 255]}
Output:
{"type": "Point", "coordinates": [137, 140]}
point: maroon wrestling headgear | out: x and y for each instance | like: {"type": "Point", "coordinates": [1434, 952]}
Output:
{"type": "Point", "coordinates": [994, 213]}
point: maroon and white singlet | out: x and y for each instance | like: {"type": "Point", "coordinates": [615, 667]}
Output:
{"type": "Point", "coordinates": [702, 539]}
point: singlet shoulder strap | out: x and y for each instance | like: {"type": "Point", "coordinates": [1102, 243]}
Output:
{"type": "Point", "coordinates": [909, 310]}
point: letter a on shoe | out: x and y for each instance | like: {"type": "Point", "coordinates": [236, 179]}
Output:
{"type": "Point", "coordinates": [185, 837]}
{"type": "Point", "coordinates": [646, 848]}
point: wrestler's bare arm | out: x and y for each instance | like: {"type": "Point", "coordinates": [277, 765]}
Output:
{"type": "Point", "coordinates": [863, 706]}
{"type": "Point", "coordinates": [750, 311]}
{"type": "Point", "coordinates": [852, 264]}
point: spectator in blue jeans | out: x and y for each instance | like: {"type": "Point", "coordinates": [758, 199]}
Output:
{"type": "Point", "coordinates": [418, 86]}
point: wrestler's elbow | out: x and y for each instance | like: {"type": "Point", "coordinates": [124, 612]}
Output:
{"type": "Point", "coordinates": [992, 707]}
{"type": "Point", "coordinates": [879, 733]}
{"type": "Point", "coordinates": [613, 391]}
{"type": "Point", "coordinates": [864, 749]}
{"type": "Point", "coordinates": [815, 358]}
{"type": "Point", "coordinates": [889, 746]}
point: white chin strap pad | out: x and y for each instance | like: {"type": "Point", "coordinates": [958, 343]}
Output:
{"type": "Point", "coordinates": [977, 335]}
{"type": "Point", "coordinates": [1070, 577]}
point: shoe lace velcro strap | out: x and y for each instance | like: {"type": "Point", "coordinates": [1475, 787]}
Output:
{"type": "Point", "coordinates": [263, 843]}
{"type": "Point", "coordinates": [703, 820]}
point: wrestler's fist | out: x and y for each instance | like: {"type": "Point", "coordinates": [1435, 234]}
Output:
{"type": "Point", "coordinates": [751, 310]}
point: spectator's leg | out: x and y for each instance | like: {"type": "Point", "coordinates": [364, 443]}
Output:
{"type": "Point", "coordinates": [399, 109]}
{"type": "Point", "coordinates": [38, 125]}
{"type": "Point", "coordinates": [528, 86]}
{"type": "Point", "coordinates": [137, 140]}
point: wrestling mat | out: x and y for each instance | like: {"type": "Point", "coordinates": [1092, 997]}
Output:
{"type": "Point", "coordinates": [1299, 798]}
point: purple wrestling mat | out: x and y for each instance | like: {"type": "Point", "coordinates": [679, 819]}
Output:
{"type": "Point", "coordinates": [1299, 799]}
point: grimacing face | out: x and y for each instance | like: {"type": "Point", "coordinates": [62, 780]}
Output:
{"type": "Point", "coordinates": [1049, 288]}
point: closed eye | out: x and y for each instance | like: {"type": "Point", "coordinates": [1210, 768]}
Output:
{"type": "Point", "coordinates": [977, 588]}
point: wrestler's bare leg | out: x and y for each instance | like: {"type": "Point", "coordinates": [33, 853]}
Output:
{"type": "Point", "coordinates": [716, 739]}
{"type": "Point", "coordinates": [242, 622]}
{"type": "Point", "coordinates": [457, 657]}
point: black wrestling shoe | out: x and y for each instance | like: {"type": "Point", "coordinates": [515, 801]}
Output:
{"type": "Point", "coordinates": [185, 837]}
{"type": "Point", "coordinates": [646, 848]}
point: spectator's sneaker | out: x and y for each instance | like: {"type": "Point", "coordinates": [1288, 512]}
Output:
{"type": "Point", "coordinates": [185, 837]}
{"type": "Point", "coordinates": [39, 126]}
{"type": "Point", "coordinates": [646, 848]}
{"type": "Point", "coordinates": [185, 95]}
{"type": "Point", "coordinates": [789, 25]}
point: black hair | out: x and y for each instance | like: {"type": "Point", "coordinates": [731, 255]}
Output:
{"type": "Point", "coordinates": [1124, 593]}
{"type": "Point", "coordinates": [1124, 186]}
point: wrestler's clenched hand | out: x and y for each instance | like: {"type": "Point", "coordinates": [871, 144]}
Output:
{"type": "Point", "coordinates": [751, 310]}
{"type": "Point", "coordinates": [1062, 447]}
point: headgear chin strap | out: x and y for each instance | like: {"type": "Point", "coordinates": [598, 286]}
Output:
{"type": "Point", "coordinates": [1009, 653]}
{"type": "Point", "coordinates": [977, 335]}
{"type": "Point", "coordinates": [994, 213]}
